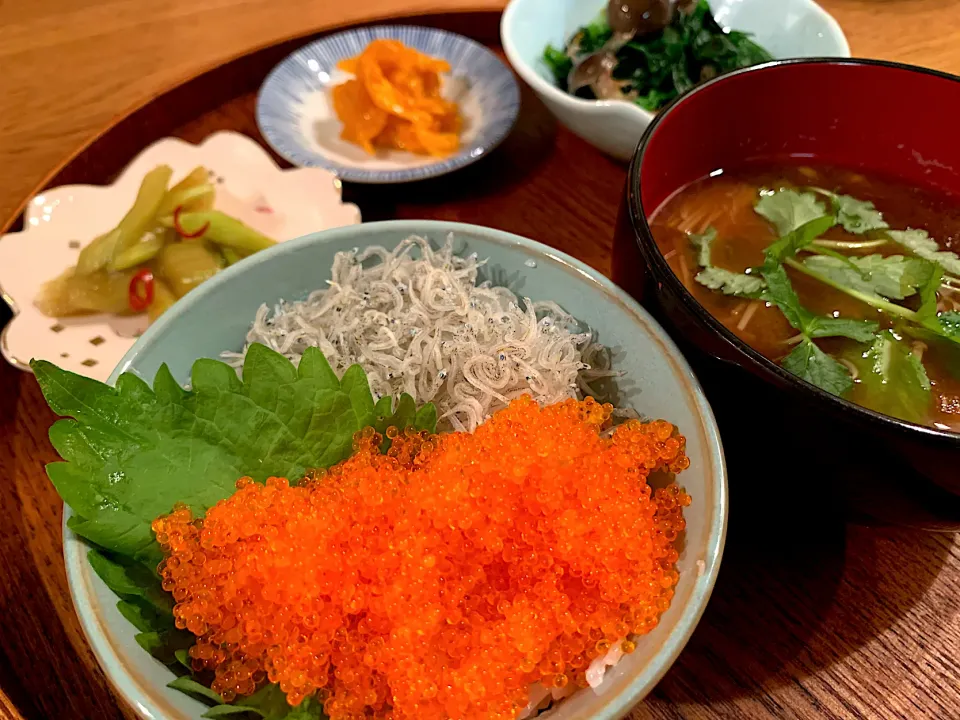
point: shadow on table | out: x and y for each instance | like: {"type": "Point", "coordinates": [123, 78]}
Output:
{"type": "Point", "coordinates": [799, 590]}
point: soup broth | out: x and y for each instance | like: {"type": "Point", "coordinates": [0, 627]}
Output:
{"type": "Point", "coordinates": [905, 357]}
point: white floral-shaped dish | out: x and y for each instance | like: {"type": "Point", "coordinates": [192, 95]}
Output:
{"type": "Point", "coordinates": [282, 204]}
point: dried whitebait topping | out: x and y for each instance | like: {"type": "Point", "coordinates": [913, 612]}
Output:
{"type": "Point", "coordinates": [424, 326]}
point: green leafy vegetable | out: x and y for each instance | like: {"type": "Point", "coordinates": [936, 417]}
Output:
{"type": "Point", "coordinates": [810, 363]}
{"type": "Point", "coordinates": [143, 617]}
{"type": "Point", "coordinates": [797, 239]}
{"type": "Point", "coordinates": [855, 216]}
{"type": "Point", "coordinates": [894, 380]}
{"type": "Point", "coordinates": [164, 645]}
{"type": "Point", "coordinates": [922, 245]}
{"type": "Point", "coordinates": [781, 293]}
{"type": "Point", "coordinates": [559, 64]}
{"type": "Point", "coordinates": [870, 299]}
{"type": "Point", "coordinates": [807, 361]}
{"type": "Point", "coordinates": [824, 326]}
{"type": "Point", "coordinates": [731, 283]}
{"type": "Point", "coordinates": [131, 452]}
{"type": "Point", "coordinates": [192, 687]}
{"type": "Point", "coordinates": [270, 703]}
{"type": "Point", "coordinates": [726, 281]}
{"type": "Point", "coordinates": [950, 325]}
{"type": "Point", "coordinates": [594, 36]}
{"type": "Point", "coordinates": [655, 68]}
{"type": "Point", "coordinates": [131, 580]}
{"type": "Point", "coordinates": [894, 277]}
{"type": "Point", "coordinates": [789, 209]}
{"type": "Point", "coordinates": [404, 415]}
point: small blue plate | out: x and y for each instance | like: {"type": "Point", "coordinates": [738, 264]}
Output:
{"type": "Point", "coordinates": [296, 116]}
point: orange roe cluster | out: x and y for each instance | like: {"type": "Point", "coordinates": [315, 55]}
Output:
{"type": "Point", "coordinates": [439, 580]}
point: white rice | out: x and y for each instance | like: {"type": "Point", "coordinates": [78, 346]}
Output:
{"type": "Point", "coordinates": [424, 326]}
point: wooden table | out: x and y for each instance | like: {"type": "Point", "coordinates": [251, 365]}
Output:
{"type": "Point", "coordinates": [811, 617]}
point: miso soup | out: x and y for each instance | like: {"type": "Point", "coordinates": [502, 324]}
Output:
{"type": "Point", "coordinates": [849, 281]}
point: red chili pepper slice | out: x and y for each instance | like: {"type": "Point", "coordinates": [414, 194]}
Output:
{"type": "Point", "coordinates": [141, 290]}
{"type": "Point", "coordinates": [179, 228]}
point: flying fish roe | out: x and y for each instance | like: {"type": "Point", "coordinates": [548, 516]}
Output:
{"type": "Point", "coordinates": [439, 580]}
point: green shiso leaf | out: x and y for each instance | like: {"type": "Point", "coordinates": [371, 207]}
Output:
{"type": "Point", "coordinates": [191, 687]}
{"type": "Point", "coordinates": [131, 453]}
{"type": "Point", "coordinates": [269, 702]}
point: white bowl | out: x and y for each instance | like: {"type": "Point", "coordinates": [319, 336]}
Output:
{"type": "Point", "coordinates": [786, 28]}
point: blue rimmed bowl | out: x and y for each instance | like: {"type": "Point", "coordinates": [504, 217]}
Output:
{"type": "Point", "coordinates": [657, 381]}
{"type": "Point", "coordinates": [296, 117]}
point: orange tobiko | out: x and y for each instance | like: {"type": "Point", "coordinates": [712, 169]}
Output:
{"type": "Point", "coordinates": [443, 578]}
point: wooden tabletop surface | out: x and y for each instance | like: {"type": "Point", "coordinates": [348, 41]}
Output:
{"type": "Point", "coordinates": [812, 617]}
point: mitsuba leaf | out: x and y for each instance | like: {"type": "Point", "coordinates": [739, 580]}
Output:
{"type": "Point", "coordinates": [797, 239]}
{"type": "Point", "coordinates": [704, 245]}
{"type": "Point", "coordinates": [719, 279]}
{"type": "Point", "coordinates": [926, 314]}
{"type": "Point", "coordinates": [824, 326]}
{"type": "Point", "coordinates": [731, 283]}
{"type": "Point", "coordinates": [131, 452]}
{"type": "Point", "coordinates": [894, 277]}
{"type": "Point", "coordinates": [894, 380]}
{"type": "Point", "coordinates": [950, 325]}
{"type": "Point", "coordinates": [788, 210]}
{"type": "Point", "coordinates": [922, 245]}
{"type": "Point", "coordinates": [810, 363]}
{"type": "Point", "coordinates": [780, 292]}
{"type": "Point", "coordinates": [855, 216]}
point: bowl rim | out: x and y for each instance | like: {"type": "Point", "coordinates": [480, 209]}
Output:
{"type": "Point", "coordinates": [604, 107]}
{"type": "Point", "coordinates": [465, 155]}
{"type": "Point", "coordinates": [643, 236]}
{"type": "Point", "coordinates": [147, 699]}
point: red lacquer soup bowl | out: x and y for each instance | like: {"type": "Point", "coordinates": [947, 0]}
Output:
{"type": "Point", "coordinates": [782, 434]}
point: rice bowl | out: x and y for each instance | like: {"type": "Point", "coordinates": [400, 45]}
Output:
{"type": "Point", "coordinates": [656, 378]}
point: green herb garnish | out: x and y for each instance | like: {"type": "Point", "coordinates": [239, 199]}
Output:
{"type": "Point", "coordinates": [131, 452]}
{"type": "Point", "coordinates": [922, 245]}
{"type": "Point", "coordinates": [789, 209]}
{"type": "Point", "coordinates": [894, 277]}
{"type": "Point", "coordinates": [715, 278]}
{"type": "Point", "coordinates": [855, 216]}
{"type": "Point", "coordinates": [895, 379]}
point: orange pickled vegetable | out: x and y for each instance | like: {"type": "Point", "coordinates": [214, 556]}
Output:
{"type": "Point", "coordinates": [395, 101]}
